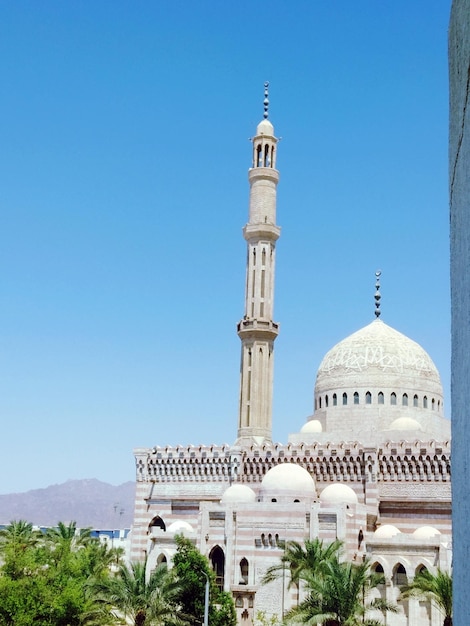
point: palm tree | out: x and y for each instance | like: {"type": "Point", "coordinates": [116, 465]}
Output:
{"type": "Point", "coordinates": [19, 533]}
{"type": "Point", "coordinates": [17, 540]}
{"type": "Point", "coordinates": [339, 596]}
{"type": "Point", "coordinates": [68, 537]}
{"type": "Point", "coordinates": [436, 588]}
{"type": "Point", "coordinates": [303, 560]}
{"type": "Point", "coordinates": [142, 602]}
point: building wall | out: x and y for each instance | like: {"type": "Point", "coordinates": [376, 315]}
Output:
{"type": "Point", "coordinates": [403, 483]}
{"type": "Point", "coordinates": [459, 190]}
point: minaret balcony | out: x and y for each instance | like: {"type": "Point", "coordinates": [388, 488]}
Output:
{"type": "Point", "coordinates": [268, 173]}
{"type": "Point", "coordinates": [270, 232]}
{"type": "Point", "coordinates": [254, 328]}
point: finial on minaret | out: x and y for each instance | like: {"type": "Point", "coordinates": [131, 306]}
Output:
{"type": "Point", "coordinates": [266, 100]}
{"type": "Point", "coordinates": [377, 294]}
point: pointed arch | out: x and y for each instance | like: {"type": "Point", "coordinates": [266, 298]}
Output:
{"type": "Point", "coordinates": [217, 559]}
{"type": "Point", "coordinates": [157, 522]}
{"type": "Point", "coordinates": [244, 571]}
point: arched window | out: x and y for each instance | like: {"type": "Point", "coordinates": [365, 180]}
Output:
{"type": "Point", "coordinates": [217, 559]}
{"type": "Point", "coordinates": [433, 404]}
{"type": "Point", "coordinates": [335, 399]}
{"type": "Point", "coordinates": [161, 559]}
{"type": "Point", "coordinates": [399, 576]}
{"type": "Point", "coordinates": [258, 156]}
{"type": "Point", "coordinates": [243, 572]}
{"type": "Point", "coordinates": [356, 398]}
{"type": "Point", "coordinates": [345, 398]}
{"type": "Point", "coordinates": [319, 402]}
{"type": "Point", "coordinates": [404, 399]}
{"type": "Point", "coordinates": [326, 401]}
{"type": "Point", "coordinates": [381, 397]}
{"type": "Point", "coordinates": [393, 398]}
{"type": "Point", "coordinates": [415, 400]}
{"type": "Point", "coordinates": [368, 397]}
{"type": "Point", "coordinates": [266, 156]}
{"type": "Point", "coordinates": [379, 570]}
{"type": "Point", "coordinates": [425, 402]}
{"type": "Point", "coordinates": [157, 522]}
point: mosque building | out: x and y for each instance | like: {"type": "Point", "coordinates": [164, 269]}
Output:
{"type": "Point", "coordinates": [371, 465]}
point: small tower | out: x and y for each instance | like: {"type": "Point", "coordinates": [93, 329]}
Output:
{"type": "Point", "coordinates": [257, 330]}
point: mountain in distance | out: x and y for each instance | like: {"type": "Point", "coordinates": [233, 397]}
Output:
{"type": "Point", "coordinates": [89, 502]}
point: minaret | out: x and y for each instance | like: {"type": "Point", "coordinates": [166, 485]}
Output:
{"type": "Point", "coordinates": [257, 330]}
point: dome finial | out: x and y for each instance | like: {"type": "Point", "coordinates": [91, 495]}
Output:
{"type": "Point", "coordinates": [266, 100]}
{"type": "Point", "coordinates": [377, 294]}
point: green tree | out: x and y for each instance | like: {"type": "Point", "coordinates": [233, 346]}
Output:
{"type": "Point", "coordinates": [262, 619]}
{"type": "Point", "coordinates": [303, 560]}
{"type": "Point", "coordinates": [43, 576]}
{"type": "Point", "coordinates": [191, 568]}
{"type": "Point", "coordinates": [17, 541]}
{"type": "Point", "coordinates": [145, 602]}
{"type": "Point", "coordinates": [65, 539]}
{"type": "Point", "coordinates": [340, 595]}
{"type": "Point", "coordinates": [436, 588]}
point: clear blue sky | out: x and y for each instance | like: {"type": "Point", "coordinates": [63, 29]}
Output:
{"type": "Point", "coordinates": [123, 191]}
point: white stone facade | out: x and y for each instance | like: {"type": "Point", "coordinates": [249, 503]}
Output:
{"type": "Point", "coordinates": [373, 471]}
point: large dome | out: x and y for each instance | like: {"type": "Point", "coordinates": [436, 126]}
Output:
{"type": "Point", "coordinates": [381, 348]}
{"type": "Point", "coordinates": [378, 359]}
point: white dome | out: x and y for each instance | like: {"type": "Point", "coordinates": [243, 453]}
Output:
{"type": "Point", "coordinates": [265, 128]}
{"type": "Point", "coordinates": [405, 423]}
{"type": "Point", "coordinates": [426, 532]}
{"type": "Point", "coordinates": [312, 426]}
{"type": "Point", "coordinates": [387, 531]}
{"type": "Point", "coordinates": [289, 481]}
{"type": "Point", "coordinates": [375, 366]}
{"type": "Point", "coordinates": [338, 494]}
{"type": "Point", "coordinates": [180, 527]}
{"type": "Point", "coordinates": [378, 349]}
{"type": "Point", "coordinates": [238, 493]}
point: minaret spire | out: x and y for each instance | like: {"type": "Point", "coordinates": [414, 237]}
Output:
{"type": "Point", "coordinates": [266, 100]}
{"type": "Point", "coordinates": [257, 330]}
{"type": "Point", "coordinates": [378, 295]}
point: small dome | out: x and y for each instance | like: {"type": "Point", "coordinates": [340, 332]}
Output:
{"type": "Point", "coordinates": [426, 532]}
{"type": "Point", "coordinates": [180, 528]}
{"type": "Point", "coordinates": [265, 128]}
{"type": "Point", "coordinates": [289, 481]}
{"type": "Point", "coordinates": [338, 494]}
{"type": "Point", "coordinates": [238, 493]}
{"type": "Point", "coordinates": [387, 531]}
{"type": "Point", "coordinates": [405, 423]}
{"type": "Point", "coordinates": [312, 426]}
